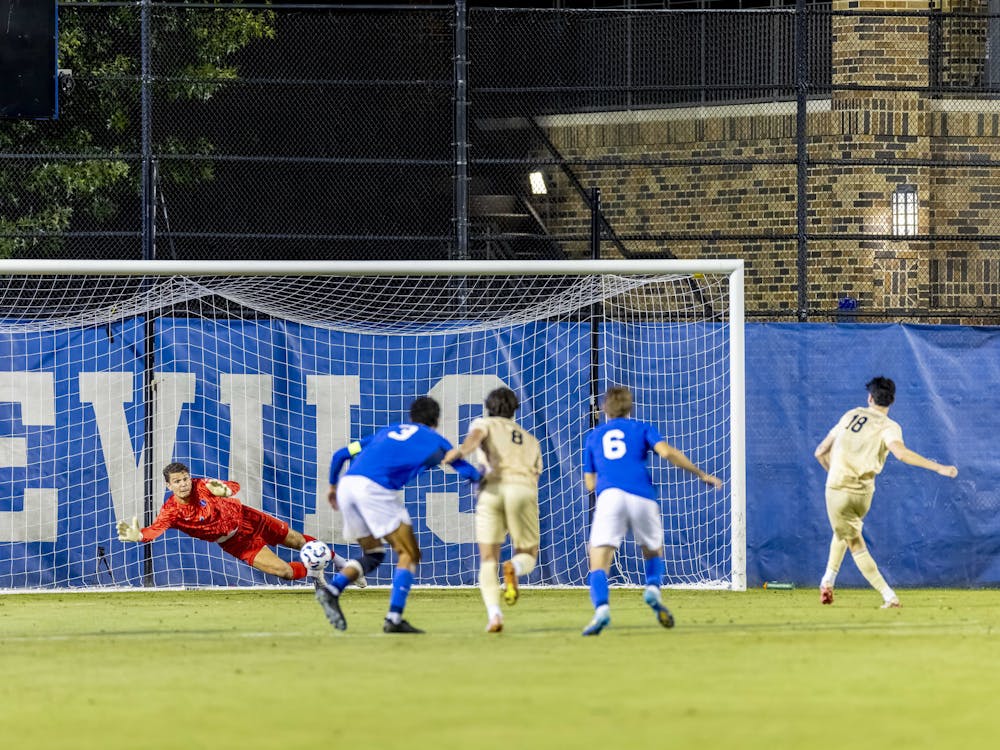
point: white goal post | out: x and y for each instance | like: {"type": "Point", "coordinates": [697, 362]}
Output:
{"type": "Point", "coordinates": [258, 371]}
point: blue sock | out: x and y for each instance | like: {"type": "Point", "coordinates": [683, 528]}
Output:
{"type": "Point", "coordinates": [656, 568]}
{"type": "Point", "coordinates": [401, 583]}
{"type": "Point", "coordinates": [339, 582]}
{"type": "Point", "coordinates": [598, 588]}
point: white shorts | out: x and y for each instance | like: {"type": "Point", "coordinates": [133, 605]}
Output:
{"type": "Point", "coordinates": [369, 509]}
{"type": "Point", "coordinates": [618, 511]}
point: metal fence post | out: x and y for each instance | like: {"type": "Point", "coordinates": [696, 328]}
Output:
{"type": "Point", "coordinates": [802, 154]}
{"type": "Point", "coordinates": [461, 132]}
{"type": "Point", "coordinates": [148, 253]}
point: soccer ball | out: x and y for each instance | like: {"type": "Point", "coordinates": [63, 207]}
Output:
{"type": "Point", "coordinates": [315, 555]}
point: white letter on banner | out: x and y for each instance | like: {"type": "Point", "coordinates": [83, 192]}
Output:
{"type": "Point", "coordinates": [333, 396]}
{"type": "Point", "coordinates": [39, 519]}
{"type": "Point", "coordinates": [443, 516]}
{"type": "Point", "coordinates": [172, 391]}
{"type": "Point", "coordinates": [108, 392]}
{"type": "Point", "coordinates": [246, 396]}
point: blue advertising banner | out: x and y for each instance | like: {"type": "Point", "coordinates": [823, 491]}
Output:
{"type": "Point", "coordinates": [266, 404]}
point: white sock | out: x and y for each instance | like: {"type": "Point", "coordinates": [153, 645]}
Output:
{"type": "Point", "coordinates": [523, 563]}
{"type": "Point", "coordinates": [393, 617]}
{"type": "Point", "coordinates": [603, 611]}
{"type": "Point", "coordinates": [656, 593]}
{"type": "Point", "coordinates": [492, 612]}
{"type": "Point", "coordinates": [338, 561]}
{"type": "Point", "coordinates": [829, 578]}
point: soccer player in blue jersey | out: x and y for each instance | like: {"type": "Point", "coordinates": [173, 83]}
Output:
{"type": "Point", "coordinates": [614, 465]}
{"type": "Point", "coordinates": [369, 500]}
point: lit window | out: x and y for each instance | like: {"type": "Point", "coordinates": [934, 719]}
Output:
{"type": "Point", "coordinates": [537, 180]}
{"type": "Point", "coordinates": [904, 210]}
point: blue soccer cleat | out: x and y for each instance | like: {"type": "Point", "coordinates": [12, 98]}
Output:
{"type": "Point", "coordinates": [663, 615]}
{"type": "Point", "coordinates": [597, 625]}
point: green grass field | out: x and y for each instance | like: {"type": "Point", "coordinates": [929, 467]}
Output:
{"type": "Point", "coordinates": [245, 669]}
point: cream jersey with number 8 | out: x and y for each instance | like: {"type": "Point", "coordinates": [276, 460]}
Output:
{"type": "Point", "coordinates": [511, 453]}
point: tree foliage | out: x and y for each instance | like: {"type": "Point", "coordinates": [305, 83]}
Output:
{"type": "Point", "coordinates": [82, 172]}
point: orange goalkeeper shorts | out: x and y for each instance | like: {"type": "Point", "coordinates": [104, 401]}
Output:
{"type": "Point", "coordinates": [257, 530]}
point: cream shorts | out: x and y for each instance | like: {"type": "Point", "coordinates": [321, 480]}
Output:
{"type": "Point", "coordinates": [508, 507]}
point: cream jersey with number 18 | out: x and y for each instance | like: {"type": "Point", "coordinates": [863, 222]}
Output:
{"type": "Point", "coordinates": [860, 447]}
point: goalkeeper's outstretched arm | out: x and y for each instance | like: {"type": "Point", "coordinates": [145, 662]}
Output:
{"type": "Point", "coordinates": [129, 532]}
{"type": "Point", "coordinates": [132, 532]}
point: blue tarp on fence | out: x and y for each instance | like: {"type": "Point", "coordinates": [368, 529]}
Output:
{"type": "Point", "coordinates": [923, 529]}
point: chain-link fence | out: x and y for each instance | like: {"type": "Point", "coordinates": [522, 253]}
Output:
{"type": "Point", "coordinates": [847, 154]}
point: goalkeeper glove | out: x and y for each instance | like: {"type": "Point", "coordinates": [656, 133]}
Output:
{"type": "Point", "coordinates": [127, 533]}
{"type": "Point", "coordinates": [218, 488]}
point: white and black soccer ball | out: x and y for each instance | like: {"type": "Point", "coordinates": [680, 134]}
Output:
{"type": "Point", "coordinates": [315, 555]}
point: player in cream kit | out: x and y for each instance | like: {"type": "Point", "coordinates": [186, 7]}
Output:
{"type": "Point", "coordinates": [511, 462]}
{"type": "Point", "coordinates": [853, 453]}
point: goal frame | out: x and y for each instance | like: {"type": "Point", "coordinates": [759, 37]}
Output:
{"type": "Point", "coordinates": [733, 268]}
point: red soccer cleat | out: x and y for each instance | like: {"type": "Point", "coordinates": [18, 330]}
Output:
{"type": "Point", "coordinates": [826, 594]}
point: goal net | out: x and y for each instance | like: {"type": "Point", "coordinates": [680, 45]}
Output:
{"type": "Point", "coordinates": [258, 373]}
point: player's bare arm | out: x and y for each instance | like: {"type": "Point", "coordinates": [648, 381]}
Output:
{"type": "Point", "coordinates": [590, 482]}
{"type": "Point", "coordinates": [678, 459]}
{"type": "Point", "coordinates": [331, 497]}
{"type": "Point", "coordinates": [822, 452]}
{"type": "Point", "coordinates": [472, 441]}
{"type": "Point", "coordinates": [913, 458]}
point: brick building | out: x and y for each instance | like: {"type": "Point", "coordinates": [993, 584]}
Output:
{"type": "Point", "coordinates": [902, 195]}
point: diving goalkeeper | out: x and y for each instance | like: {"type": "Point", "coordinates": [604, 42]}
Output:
{"type": "Point", "coordinates": [209, 509]}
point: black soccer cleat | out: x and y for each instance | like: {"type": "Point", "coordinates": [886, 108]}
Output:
{"type": "Point", "coordinates": [330, 603]}
{"type": "Point", "coordinates": [664, 617]}
{"type": "Point", "coordinates": [401, 627]}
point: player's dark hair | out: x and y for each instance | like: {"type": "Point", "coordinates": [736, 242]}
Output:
{"type": "Point", "coordinates": [502, 402]}
{"type": "Point", "coordinates": [882, 390]}
{"type": "Point", "coordinates": [175, 468]}
{"type": "Point", "coordinates": [618, 401]}
{"type": "Point", "coordinates": [425, 410]}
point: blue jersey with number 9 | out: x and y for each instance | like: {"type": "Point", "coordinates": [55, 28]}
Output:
{"type": "Point", "coordinates": [617, 453]}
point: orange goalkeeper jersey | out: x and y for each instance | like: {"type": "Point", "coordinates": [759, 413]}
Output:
{"type": "Point", "coordinates": [204, 516]}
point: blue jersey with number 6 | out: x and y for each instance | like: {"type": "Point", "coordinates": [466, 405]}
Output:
{"type": "Point", "coordinates": [617, 453]}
